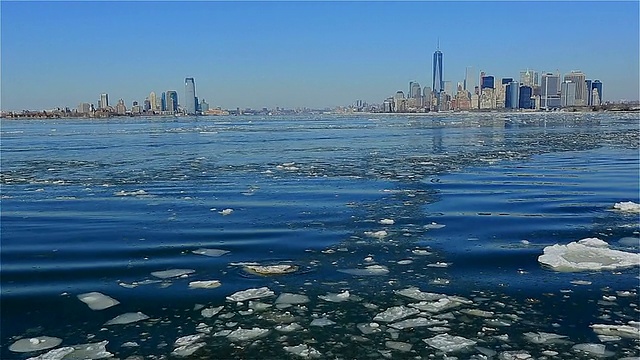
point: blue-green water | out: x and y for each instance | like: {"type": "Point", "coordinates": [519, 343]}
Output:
{"type": "Point", "coordinates": [98, 205]}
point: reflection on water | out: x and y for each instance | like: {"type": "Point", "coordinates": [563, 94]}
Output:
{"type": "Point", "coordinates": [100, 205]}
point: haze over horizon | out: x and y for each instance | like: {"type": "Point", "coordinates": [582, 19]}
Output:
{"type": "Point", "coordinates": [301, 54]}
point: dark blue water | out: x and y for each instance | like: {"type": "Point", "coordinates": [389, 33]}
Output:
{"type": "Point", "coordinates": [97, 205]}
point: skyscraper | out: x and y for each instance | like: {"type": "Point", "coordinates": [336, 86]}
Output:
{"type": "Point", "coordinates": [470, 79]}
{"type": "Point", "coordinates": [487, 82]}
{"type": "Point", "coordinates": [104, 101]}
{"type": "Point", "coordinates": [579, 79]}
{"type": "Point", "coordinates": [596, 84]}
{"type": "Point", "coordinates": [190, 104]}
{"type": "Point", "coordinates": [414, 90]}
{"type": "Point", "coordinates": [529, 78]}
{"type": "Point", "coordinates": [512, 98]}
{"type": "Point", "coordinates": [550, 91]}
{"type": "Point", "coordinates": [172, 101]}
{"type": "Point", "coordinates": [153, 100]}
{"type": "Point", "coordinates": [568, 92]}
{"type": "Point", "coordinates": [524, 95]}
{"type": "Point", "coordinates": [163, 102]}
{"type": "Point", "coordinates": [438, 83]}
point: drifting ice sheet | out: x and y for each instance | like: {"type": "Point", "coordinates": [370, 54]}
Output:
{"type": "Point", "coordinates": [246, 334]}
{"type": "Point", "coordinates": [207, 284]}
{"type": "Point", "coordinates": [35, 344]}
{"type": "Point", "coordinates": [587, 254]}
{"type": "Point", "coordinates": [627, 206]}
{"type": "Point", "coordinates": [127, 318]}
{"type": "Point", "coordinates": [210, 252]}
{"type": "Point", "coordinates": [97, 301]}
{"type": "Point", "coordinates": [166, 274]}
{"type": "Point", "coordinates": [251, 294]}
{"type": "Point", "coordinates": [367, 271]}
{"type": "Point", "coordinates": [449, 343]}
{"type": "Point", "coordinates": [395, 313]}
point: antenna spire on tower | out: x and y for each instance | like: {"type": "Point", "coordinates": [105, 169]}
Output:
{"type": "Point", "coordinates": [438, 43]}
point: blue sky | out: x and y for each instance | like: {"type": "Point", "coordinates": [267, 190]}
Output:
{"type": "Point", "coordinates": [294, 54]}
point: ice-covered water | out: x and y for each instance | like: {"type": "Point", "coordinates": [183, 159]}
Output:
{"type": "Point", "coordinates": [318, 237]}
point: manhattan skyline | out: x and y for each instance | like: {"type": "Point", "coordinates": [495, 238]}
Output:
{"type": "Point", "coordinates": [300, 54]}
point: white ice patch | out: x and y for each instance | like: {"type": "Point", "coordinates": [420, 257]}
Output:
{"type": "Point", "coordinates": [271, 269]}
{"type": "Point", "coordinates": [187, 345]}
{"type": "Point", "coordinates": [127, 318]}
{"type": "Point", "coordinates": [207, 284]}
{"type": "Point", "coordinates": [593, 349]}
{"type": "Point", "coordinates": [226, 212]}
{"type": "Point", "coordinates": [249, 294]}
{"type": "Point", "coordinates": [322, 322]}
{"type": "Point", "coordinates": [416, 322]}
{"type": "Point", "coordinates": [631, 331]}
{"type": "Point", "coordinates": [420, 252]}
{"type": "Point", "coordinates": [167, 274]}
{"type": "Point", "coordinates": [437, 306]}
{"type": "Point", "coordinates": [627, 206]}
{"type": "Point", "coordinates": [331, 297]}
{"type": "Point", "coordinates": [303, 350]}
{"type": "Point", "coordinates": [55, 354]}
{"type": "Point", "coordinates": [396, 313]}
{"type": "Point", "coordinates": [90, 351]}
{"type": "Point", "coordinates": [449, 343]}
{"type": "Point", "coordinates": [289, 327]}
{"type": "Point", "coordinates": [35, 344]}
{"type": "Point", "coordinates": [210, 252]}
{"type": "Point", "coordinates": [241, 334]}
{"type": "Point", "coordinates": [376, 234]}
{"type": "Point", "coordinates": [542, 337]}
{"type": "Point", "coordinates": [417, 294]}
{"type": "Point", "coordinates": [396, 345]}
{"type": "Point", "coordinates": [587, 254]}
{"type": "Point", "coordinates": [386, 222]}
{"type": "Point", "coordinates": [434, 225]}
{"type": "Point", "coordinates": [288, 298]}
{"type": "Point", "coordinates": [477, 312]}
{"type": "Point", "coordinates": [371, 270]}
{"type": "Point", "coordinates": [130, 193]}
{"type": "Point", "coordinates": [97, 301]}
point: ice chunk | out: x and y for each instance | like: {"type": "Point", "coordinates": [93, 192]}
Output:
{"type": "Point", "coordinates": [587, 254]}
{"type": "Point", "coordinates": [251, 294]}
{"type": "Point", "coordinates": [331, 297]}
{"type": "Point", "coordinates": [90, 351]}
{"type": "Point", "coordinates": [420, 252]}
{"type": "Point", "coordinates": [321, 322]}
{"type": "Point", "coordinates": [376, 234]}
{"type": "Point", "coordinates": [241, 334]}
{"type": "Point", "coordinates": [55, 354]}
{"type": "Point", "coordinates": [35, 344]}
{"type": "Point", "coordinates": [625, 331]}
{"type": "Point", "coordinates": [592, 349]}
{"type": "Point", "coordinates": [477, 312]}
{"type": "Point", "coordinates": [303, 350]}
{"type": "Point", "coordinates": [226, 212]}
{"type": "Point", "coordinates": [210, 252]}
{"type": "Point", "coordinates": [130, 193]}
{"type": "Point", "coordinates": [167, 274]}
{"type": "Point", "coordinates": [405, 262]}
{"type": "Point", "coordinates": [208, 284]}
{"type": "Point", "coordinates": [396, 313]}
{"type": "Point", "coordinates": [289, 328]}
{"type": "Point", "coordinates": [439, 264]}
{"type": "Point", "coordinates": [416, 322]}
{"type": "Point", "coordinates": [580, 282]}
{"type": "Point", "coordinates": [127, 318]}
{"type": "Point", "coordinates": [416, 294]}
{"type": "Point", "coordinates": [434, 225]}
{"type": "Point", "coordinates": [370, 270]}
{"type": "Point", "coordinates": [542, 337]}
{"type": "Point", "coordinates": [396, 345]}
{"type": "Point", "coordinates": [97, 301]}
{"type": "Point", "coordinates": [287, 298]}
{"type": "Point", "coordinates": [187, 345]}
{"type": "Point", "coordinates": [386, 222]}
{"type": "Point", "coordinates": [436, 306]}
{"type": "Point", "coordinates": [258, 306]}
{"type": "Point", "coordinates": [449, 343]}
{"type": "Point", "coordinates": [515, 355]}
{"type": "Point", "coordinates": [627, 206]}
{"type": "Point", "coordinates": [271, 269]}
{"type": "Point", "coordinates": [210, 312]}
{"type": "Point", "coordinates": [370, 328]}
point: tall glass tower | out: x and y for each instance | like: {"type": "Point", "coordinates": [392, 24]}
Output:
{"type": "Point", "coordinates": [190, 96]}
{"type": "Point", "coordinates": [438, 83]}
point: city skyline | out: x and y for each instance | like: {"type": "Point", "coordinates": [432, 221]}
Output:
{"type": "Point", "coordinates": [300, 54]}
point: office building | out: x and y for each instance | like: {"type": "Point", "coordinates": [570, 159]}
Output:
{"type": "Point", "coordinates": [104, 101]}
{"type": "Point", "coordinates": [153, 101]}
{"type": "Point", "coordinates": [595, 97]}
{"type": "Point", "coordinates": [415, 91]}
{"type": "Point", "coordinates": [512, 95]}
{"type": "Point", "coordinates": [121, 109]}
{"type": "Point", "coordinates": [438, 82]}
{"type": "Point", "coordinates": [529, 78]}
{"type": "Point", "coordinates": [568, 91]}
{"type": "Point", "coordinates": [487, 82]}
{"type": "Point", "coordinates": [470, 79]}
{"type": "Point", "coordinates": [579, 79]}
{"type": "Point", "coordinates": [190, 101]}
{"type": "Point", "coordinates": [525, 94]}
{"type": "Point", "coordinates": [172, 101]}
{"type": "Point", "coordinates": [596, 84]}
{"type": "Point", "coordinates": [588, 88]}
{"type": "Point", "coordinates": [550, 91]}
{"type": "Point", "coordinates": [163, 102]}
{"type": "Point", "coordinates": [84, 108]}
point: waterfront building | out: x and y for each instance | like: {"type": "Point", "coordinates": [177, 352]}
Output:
{"type": "Point", "coordinates": [414, 90]}
{"type": "Point", "coordinates": [596, 84]}
{"type": "Point", "coordinates": [579, 79]}
{"type": "Point", "coordinates": [147, 105]}
{"type": "Point", "coordinates": [512, 95]}
{"type": "Point", "coordinates": [568, 91]}
{"type": "Point", "coordinates": [172, 101]}
{"type": "Point", "coordinates": [470, 80]}
{"type": "Point", "coordinates": [550, 91]}
{"type": "Point", "coordinates": [204, 106]}
{"type": "Point", "coordinates": [487, 99]}
{"type": "Point", "coordinates": [163, 102]}
{"type": "Point", "coordinates": [588, 88]}
{"type": "Point", "coordinates": [84, 108]}
{"type": "Point", "coordinates": [595, 97]}
{"type": "Point", "coordinates": [448, 87]}
{"type": "Point", "coordinates": [153, 101]}
{"type": "Point", "coordinates": [529, 78]}
{"type": "Point", "coordinates": [190, 102]}
{"type": "Point", "coordinates": [462, 100]}
{"type": "Point", "coordinates": [387, 105]}
{"type": "Point", "coordinates": [121, 109]}
{"type": "Point", "coordinates": [475, 101]}
{"type": "Point", "coordinates": [487, 82]}
{"type": "Point", "coordinates": [524, 101]}
{"type": "Point", "coordinates": [438, 82]}
{"type": "Point", "coordinates": [426, 97]}
{"type": "Point", "coordinates": [104, 101]}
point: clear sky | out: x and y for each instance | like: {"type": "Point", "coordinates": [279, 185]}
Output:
{"type": "Point", "coordinates": [295, 54]}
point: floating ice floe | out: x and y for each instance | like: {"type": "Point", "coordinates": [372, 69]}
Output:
{"type": "Point", "coordinates": [396, 345]}
{"type": "Point", "coordinates": [331, 297]}
{"type": "Point", "coordinates": [167, 274]}
{"type": "Point", "coordinates": [631, 331]}
{"type": "Point", "coordinates": [369, 328]}
{"type": "Point", "coordinates": [370, 270]}
{"type": "Point", "coordinates": [627, 206]}
{"type": "Point", "coordinates": [187, 345]}
{"type": "Point", "coordinates": [417, 294]}
{"type": "Point", "coordinates": [477, 312]}
{"type": "Point", "coordinates": [249, 294]}
{"type": "Point", "coordinates": [35, 344]}
{"type": "Point", "coordinates": [288, 298]}
{"type": "Point", "coordinates": [405, 262]}
{"type": "Point", "coordinates": [416, 322]}
{"type": "Point", "coordinates": [321, 322]}
{"type": "Point", "coordinates": [55, 354]}
{"type": "Point", "coordinates": [387, 222]}
{"type": "Point", "coordinates": [542, 337]}
{"type": "Point", "coordinates": [303, 350]}
{"type": "Point", "coordinates": [593, 349]}
{"type": "Point", "coordinates": [289, 327]}
{"type": "Point", "coordinates": [97, 301]}
{"type": "Point", "coordinates": [210, 252]}
{"type": "Point", "coordinates": [587, 254]}
{"type": "Point", "coordinates": [207, 284]}
{"type": "Point", "coordinates": [395, 313]}
{"type": "Point", "coordinates": [130, 193]}
{"type": "Point", "coordinates": [449, 343]}
{"type": "Point", "coordinates": [376, 234]}
{"type": "Point", "coordinates": [434, 225]}
{"type": "Point", "coordinates": [90, 351]}
{"type": "Point", "coordinates": [437, 306]}
{"type": "Point", "coordinates": [271, 269]}
{"type": "Point", "coordinates": [127, 318]}
{"type": "Point", "coordinates": [439, 264]}
{"type": "Point", "coordinates": [241, 334]}
{"type": "Point", "coordinates": [515, 355]}
{"type": "Point", "coordinates": [420, 252]}
{"type": "Point", "coordinates": [226, 212]}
